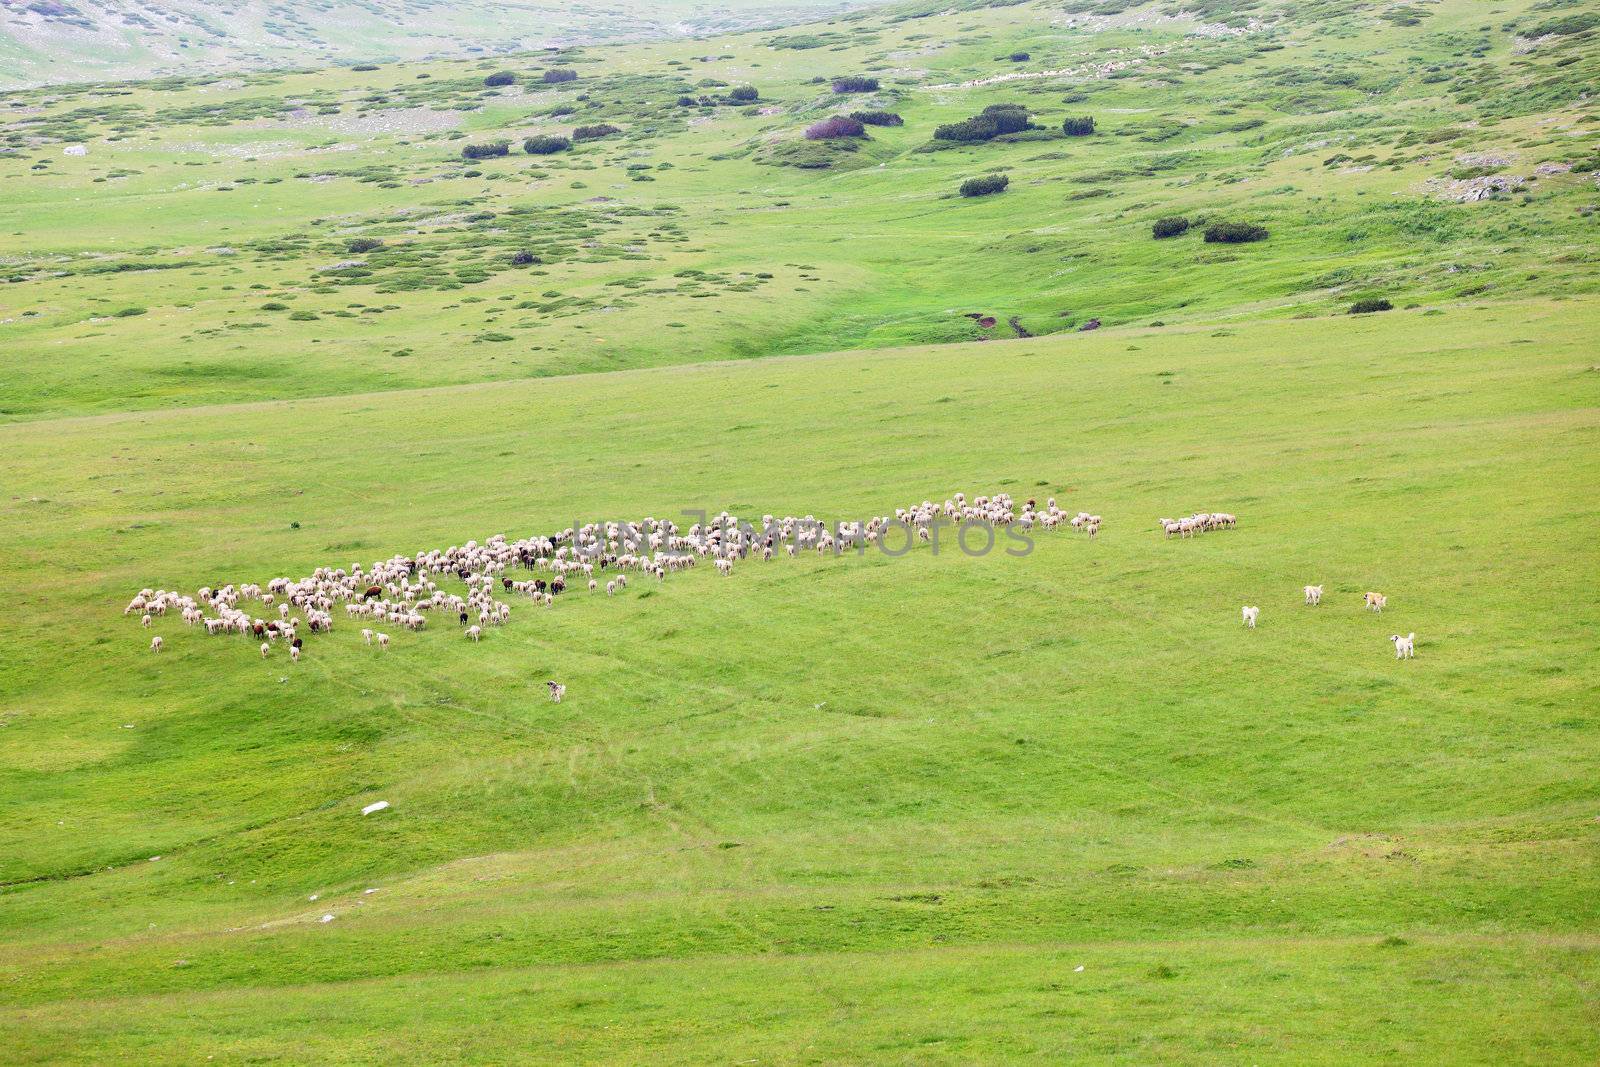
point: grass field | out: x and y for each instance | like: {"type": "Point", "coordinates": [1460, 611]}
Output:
{"type": "Point", "coordinates": [838, 809]}
{"type": "Point", "coordinates": [930, 809]}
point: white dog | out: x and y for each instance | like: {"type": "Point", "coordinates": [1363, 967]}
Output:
{"type": "Point", "coordinates": [1404, 647]}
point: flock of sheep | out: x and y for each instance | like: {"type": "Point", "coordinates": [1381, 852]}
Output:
{"type": "Point", "coordinates": [403, 592]}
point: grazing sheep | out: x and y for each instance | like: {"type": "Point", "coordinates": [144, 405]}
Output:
{"type": "Point", "coordinates": [294, 653]}
{"type": "Point", "coordinates": [593, 584]}
{"type": "Point", "coordinates": [145, 622]}
{"type": "Point", "coordinates": [475, 633]}
{"type": "Point", "coordinates": [266, 649]}
{"type": "Point", "coordinates": [1250, 616]}
{"type": "Point", "coordinates": [366, 635]}
{"type": "Point", "coordinates": [1313, 595]}
{"type": "Point", "coordinates": [557, 691]}
{"type": "Point", "coordinates": [1404, 647]}
{"type": "Point", "coordinates": [1375, 601]}
{"type": "Point", "coordinates": [155, 644]}
{"type": "Point", "coordinates": [383, 641]}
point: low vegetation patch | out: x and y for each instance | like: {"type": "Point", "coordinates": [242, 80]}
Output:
{"type": "Point", "coordinates": [987, 185]}
{"type": "Point", "coordinates": [1234, 233]}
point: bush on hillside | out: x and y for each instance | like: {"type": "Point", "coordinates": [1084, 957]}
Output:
{"type": "Point", "coordinates": [595, 132]}
{"type": "Point", "coordinates": [555, 75]}
{"type": "Point", "coordinates": [855, 83]}
{"type": "Point", "coordinates": [967, 131]}
{"type": "Point", "coordinates": [1008, 118]}
{"type": "Point", "coordinates": [1170, 226]}
{"type": "Point", "coordinates": [545, 144]}
{"type": "Point", "coordinates": [358, 245]}
{"type": "Point", "coordinates": [744, 93]}
{"type": "Point", "coordinates": [994, 120]}
{"type": "Point", "coordinates": [524, 258]}
{"type": "Point", "coordinates": [1367, 307]}
{"type": "Point", "coordinates": [485, 151]}
{"type": "Point", "coordinates": [835, 127]}
{"type": "Point", "coordinates": [984, 186]}
{"type": "Point", "coordinates": [502, 77]}
{"type": "Point", "coordinates": [878, 118]}
{"type": "Point", "coordinates": [1019, 57]}
{"type": "Point", "coordinates": [1079, 126]}
{"type": "Point", "coordinates": [1235, 233]}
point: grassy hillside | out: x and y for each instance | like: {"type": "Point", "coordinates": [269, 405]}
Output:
{"type": "Point", "coordinates": [216, 216]}
{"type": "Point", "coordinates": [931, 809]}
{"type": "Point", "coordinates": [70, 41]}
{"type": "Point", "coordinates": [837, 809]}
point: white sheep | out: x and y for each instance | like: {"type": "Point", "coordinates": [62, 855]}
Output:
{"type": "Point", "coordinates": [366, 635]}
{"type": "Point", "coordinates": [1313, 595]}
{"type": "Point", "coordinates": [383, 641]}
{"type": "Point", "coordinates": [1404, 647]}
{"type": "Point", "coordinates": [474, 633]}
{"type": "Point", "coordinates": [155, 643]}
{"type": "Point", "coordinates": [294, 653]}
{"type": "Point", "coordinates": [1251, 614]}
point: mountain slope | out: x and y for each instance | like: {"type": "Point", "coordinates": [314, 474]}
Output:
{"type": "Point", "coordinates": [54, 41]}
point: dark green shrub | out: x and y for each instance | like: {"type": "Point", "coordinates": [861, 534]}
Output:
{"type": "Point", "coordinates": [557, 75]}
{"type": "Point", "coordinates": [357, 245]}
{"type": "Point", "coordinates": [1367, 307]}
{"type": "Point", "coordinates": [1019, 57]}
{"type": "Point", "coordinates": [595, 132]}
{"type": "Point", "coordinates": [128, 313]}
{"type": "Point", "coordinates": [744, 93]}
{"type": "Point", "coordinates": [1007, 118]}
{"type": "Point", "coordinates": [485, 151]}
{"type": "Point", "coordinates": [984, 186]}
{"type": "Point", "coordinates": [855, 83]}
{"type": "Point", "coordinates": [967, 131]}
{"type": "Point", "coordinates": [1079, 126]}
{"type": "Point", "coordinates": [878, 118]}
{"type": "Point", "coordinates": [1234, 233]}
{"type": "Point", "coordinates": [524, 258]}
{"type": "Point", "coordinates": [502, 77]}
{"type": "Point", "coordinates": [545, 144]}
{"type": "Point", "coordinates": [1171, 226]}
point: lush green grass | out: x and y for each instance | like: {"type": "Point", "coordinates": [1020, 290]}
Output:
{"type": "Point", "coordinates": [1325, 125]}
{"type": "Point", "coordinates": [823, 810]}
{"type": "Point", "coordinates": [853, 809]}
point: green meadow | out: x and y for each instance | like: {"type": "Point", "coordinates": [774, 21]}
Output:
{"type": "Point", "coordinates": [944, 807]}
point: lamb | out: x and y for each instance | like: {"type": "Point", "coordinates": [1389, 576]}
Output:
{"type": "Point", "coordinates": [557, 691]}
{"type": "Point", "coordinates": [1313, 595]}
{"type": "Point", "coordinates": [145, 622]}
{"type": "Point", "coordinates": [294, 653]}
{"type": "Point", "coordinates": [383, 641]}
{"type": "Point", "coordinates": [266, 650]}
{"type": "Point", "coordinates": [1404, 647]}
{"type": "Point", "coordinates": [475, 633]}
{"type": "Point", "coordinates": [155, 643]}
{"type": "Point", "coordinates": [366, 635]}
{"type": "Point", "coordinates": [1251, 614]}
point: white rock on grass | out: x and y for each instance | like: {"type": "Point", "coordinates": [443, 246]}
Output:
{"type": "Point", "coordinates": [379, 806]}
